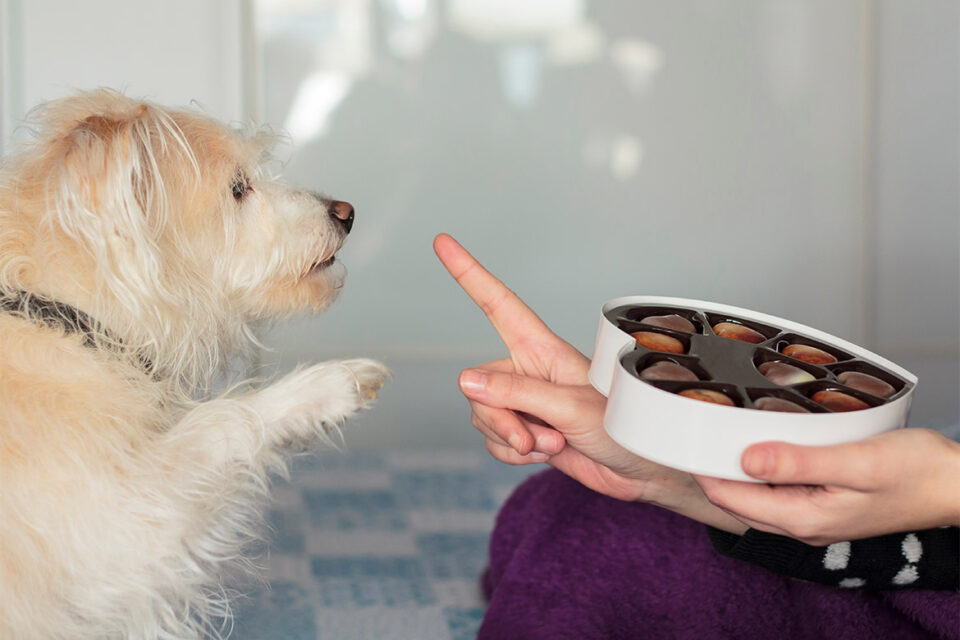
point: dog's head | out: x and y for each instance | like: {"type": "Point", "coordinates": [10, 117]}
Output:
{"type": "Point", "coordinates": [150, 218]}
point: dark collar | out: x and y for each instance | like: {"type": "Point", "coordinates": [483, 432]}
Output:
{"type": "Point", "coordinates": [52, 313]}
{"type": "Point", "coordinates": [59, 315]}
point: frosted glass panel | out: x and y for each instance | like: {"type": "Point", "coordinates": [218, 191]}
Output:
{"type": "Point", "coordinates": [918, 178]}
{"type": "Point", "coordinates": [582, 150]}
{"type": "Point", "coordinates": [174, 52]}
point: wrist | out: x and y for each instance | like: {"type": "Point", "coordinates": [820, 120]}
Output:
{"type": "Point", "coordinates": [670, 489]}
{"type": "Point", "coordinates": [679, 492]}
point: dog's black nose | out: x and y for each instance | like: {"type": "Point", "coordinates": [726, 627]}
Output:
{"type": "Point", "coordinates": [342, 211]}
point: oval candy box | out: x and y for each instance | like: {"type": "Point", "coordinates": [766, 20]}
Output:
{"type": "Point", "coordinates": [745, 377]}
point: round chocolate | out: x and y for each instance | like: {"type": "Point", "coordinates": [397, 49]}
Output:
{"type": "Point", "coordinates": [839, 401]}
{"type": "Point", "coordinates": [806, 353]}
{"type": "Point", "coordinates": [866, 383]}
{"type": "Point", "coordinates": [736, 331]}
{"type": "Point", "coordinates": [670, 321]}
{"type": "Point", "coordinates": [666, 370]}
{"type": "Point", "coordinates": [770, 403]}
{"type": "Point", "coordinates": [658, 341]}
{"type": "Point", "coordinates": [784, 374]}
{"type": "Point", "coordinates": [707, 395]}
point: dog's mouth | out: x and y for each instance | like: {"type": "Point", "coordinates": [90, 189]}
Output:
{"type": "Point", "coordinates": [320, 265]}
{"type": "Point", "coordinates": [324, 257]}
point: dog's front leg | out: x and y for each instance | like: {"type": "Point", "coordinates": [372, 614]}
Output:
{"type": "Point", "coordinates": [214, 465]}
{"type": "Point", "coordinates": [301, 410]}
{"type": "Point", "coordinates": [310, 404]}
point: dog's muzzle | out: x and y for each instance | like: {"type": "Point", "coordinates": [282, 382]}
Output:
{"type": "Point", "coordinates": [343, 212]}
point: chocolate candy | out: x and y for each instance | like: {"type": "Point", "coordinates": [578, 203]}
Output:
{"type": "Point", "coordinates": [707, 395]}
{"type": "Point", "coordinates": [666, 370]}
{"type": "Point", "coordinates": [658, 341]}
{"type": "Point", "coordinates": [809, 354]}
{"type": "Point", "coordinates": [784, 374]}
{"type": "Point", "coordinates": [770, 403]}
{"type": "Point", "coordinates": [866, 383]}
{"type": "Point", "coordinates": [735, 359]}
{"type": "Point", "coordinates": [736, 331]}
{"type": "Point", "coordinates": [838, 401]}
{"type": "Point", "coordinates": [670, 321]}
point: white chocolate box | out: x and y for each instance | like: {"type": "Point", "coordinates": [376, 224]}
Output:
{"type": "Point", "coordinates": [651, 420]}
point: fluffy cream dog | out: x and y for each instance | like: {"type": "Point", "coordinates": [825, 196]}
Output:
{"type": "Point", "coordinates": [138, 245]}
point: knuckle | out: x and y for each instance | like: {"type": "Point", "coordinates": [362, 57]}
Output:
{"type": "Point", "coordinates": [481, 412]}
{"type": "Point", "coordinates": [504, 454]}
{"type": "Point", "coordinates": [495, 426]}
{"type": "Point", "coordinates": [491, 304]}
{"type": "Point", "coordinates": [587, 402]}
{"type": "Point", "coordinates": [798, 464]}
{"type": "Point", "coordinates": [514, 386]}
{"type": "Point", "coordinates": [790, 464]}
{"type": "Point", "coordinates": [927, 439]}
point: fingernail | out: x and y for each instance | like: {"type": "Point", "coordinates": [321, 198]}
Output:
{"type": "Point", "coordinates": [758, 463]}
{"type": "Point", "coordinates": [473, 380]}
{"type": "Point", "coordinates": [514, 441]}
{"type": "Point", "coordinates": [536, 456]}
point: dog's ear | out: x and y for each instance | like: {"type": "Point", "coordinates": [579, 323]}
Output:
{"type": "Point", "coordinates": [108, 187]}
{"type": "Point", "coordinates": [109, 182]}
{"type": "Point", "coordinates": [111, 167]}
{"type": "Point", "coordinates": [100, 126]}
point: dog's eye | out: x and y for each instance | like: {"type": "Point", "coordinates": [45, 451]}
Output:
{"type": "Point", "coordinates": [240, 186]}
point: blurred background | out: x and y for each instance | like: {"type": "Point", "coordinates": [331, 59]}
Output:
{"type": "Point", "coordinates": [794, 157]}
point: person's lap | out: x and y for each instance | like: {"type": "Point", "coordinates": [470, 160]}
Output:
{"type": "Point", "coordinates": [566, 562]}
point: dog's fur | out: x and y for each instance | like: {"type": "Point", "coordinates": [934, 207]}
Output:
{"type": "Point", "coordinates": [123, 491]}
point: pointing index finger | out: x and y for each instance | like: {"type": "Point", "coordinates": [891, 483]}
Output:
{"type": "Point", "coordinates": [511, 318]}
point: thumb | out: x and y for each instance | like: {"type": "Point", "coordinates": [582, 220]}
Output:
{"type": "Point", "coordinates": [783, 463]}
{"type": "Point", "coordinates": [557, 405]}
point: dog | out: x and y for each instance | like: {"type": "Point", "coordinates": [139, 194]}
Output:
{"type": "Point", "coordinates": [140, 247]}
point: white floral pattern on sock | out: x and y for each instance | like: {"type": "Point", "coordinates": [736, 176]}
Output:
{"type": "Point", "coordinates": [912, 550]}
{"type": "Point", "coordinates": [837, 556]}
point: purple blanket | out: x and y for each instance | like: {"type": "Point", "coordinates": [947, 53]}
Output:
{"type": "Point", "coordinates": [566, 562]}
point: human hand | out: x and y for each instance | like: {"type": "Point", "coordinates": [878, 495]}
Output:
{"type": "Point", "coordinates": [902, 480]}
{"type": "Point", "coordinates": [538, 406]}
{"type": "Point", "coordinates": [534, 351]}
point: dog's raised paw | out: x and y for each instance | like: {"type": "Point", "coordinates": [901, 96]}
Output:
{"type": "Point", "coordinates": [324, 393]}
{"type": "Point", "coordinates": [370, 377]}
